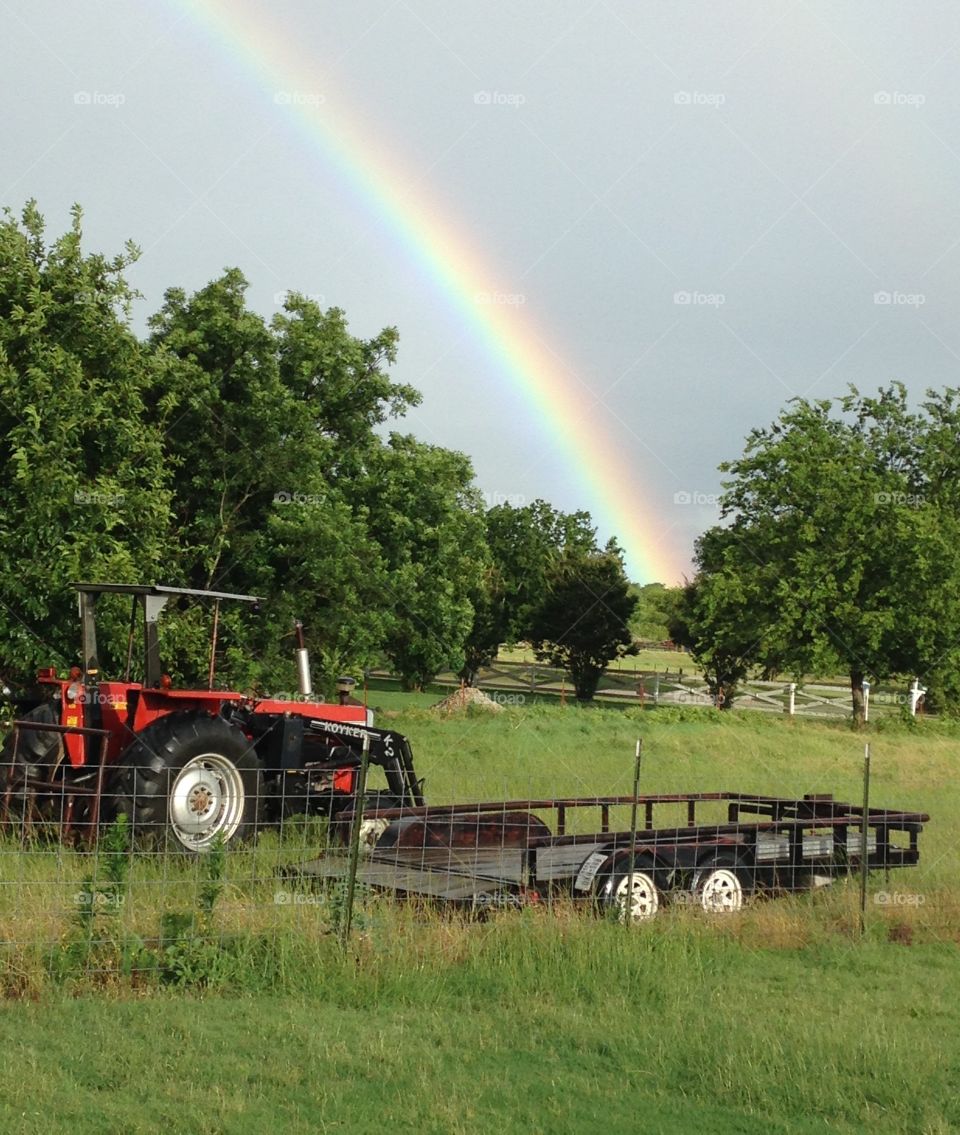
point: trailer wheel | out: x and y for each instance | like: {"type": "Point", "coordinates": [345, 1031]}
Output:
{"type": "Point", "coordinates": [723, 885]}
{"type": "Point", "coordinates": [188, 779]}
{"type": "Point", "coordinates": [633, 895]}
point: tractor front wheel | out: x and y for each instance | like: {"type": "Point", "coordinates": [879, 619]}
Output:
{"type": "Point", "coordinates": [189, 779]}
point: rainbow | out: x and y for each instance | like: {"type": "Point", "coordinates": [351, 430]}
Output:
{"type": "Point", "coordinates": [561, 405]}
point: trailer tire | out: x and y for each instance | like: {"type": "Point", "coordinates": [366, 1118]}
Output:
{"type": "Point", "coordinates": [618, 882]}
{"type": "Point", "coordinates": [188, 779]}
{"type": "Point", "coordinates": [723, 884]}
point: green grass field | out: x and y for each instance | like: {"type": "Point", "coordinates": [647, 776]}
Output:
{"type": "Point", "coordinates": [776, 1020]}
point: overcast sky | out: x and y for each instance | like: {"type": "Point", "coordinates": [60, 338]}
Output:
{"type": "Point", "coordinates": [702, 209]}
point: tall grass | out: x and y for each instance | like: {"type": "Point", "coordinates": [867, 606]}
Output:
{"type": "Point", "coordinates": [542, 753]}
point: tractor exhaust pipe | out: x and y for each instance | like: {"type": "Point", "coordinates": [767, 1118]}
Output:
{"type": "Point", "coordinates": [303, 663]}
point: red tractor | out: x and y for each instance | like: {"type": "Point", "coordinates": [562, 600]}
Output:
{"type": "Point", "coordinates": [186, 765]}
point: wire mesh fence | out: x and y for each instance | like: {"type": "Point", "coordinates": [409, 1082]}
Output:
{"type": "Point", "coordinates": [189, 869]}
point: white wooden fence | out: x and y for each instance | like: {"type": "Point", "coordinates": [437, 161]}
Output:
{"type": "Point", "coordinates": [516, 682]}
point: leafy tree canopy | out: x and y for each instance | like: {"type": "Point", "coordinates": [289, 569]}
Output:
{"type": "Point", "coordinates": [222, 452]}
{"type": "Point", "coordinates": [840, 549]}
{"type": "Point", "coordinates": [86, 491]}
{"type": "Point", "coordinates": [583, 622]}
{"type": "Point", "coordinates": [524, 545]}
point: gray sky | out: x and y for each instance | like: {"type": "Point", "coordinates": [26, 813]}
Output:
{"type": "Point", "coordinates": [714, 206]}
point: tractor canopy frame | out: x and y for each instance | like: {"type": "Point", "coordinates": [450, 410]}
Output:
{"type": "Point", "coordinates": [150, 600]}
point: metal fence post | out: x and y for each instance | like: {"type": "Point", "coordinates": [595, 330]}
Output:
{"type": "Point", "coordinates": [916, 694]}
{"type": "Point", "coordinates": [864, 845]}
{"type": "Point", "coordinates": [628, 908]}
{"type": "Point", "coordinates": [347, 917]}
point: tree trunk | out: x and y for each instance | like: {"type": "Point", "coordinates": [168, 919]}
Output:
{"type": "Point", "coordinates": [856, 691]}
{"type": "Point", "coordinates": [721, 692]}
{"type": "Point", "coordinates": [586, 677]}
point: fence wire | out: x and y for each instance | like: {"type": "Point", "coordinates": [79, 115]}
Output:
{"type": "Point", "coordinates": [105, 886]}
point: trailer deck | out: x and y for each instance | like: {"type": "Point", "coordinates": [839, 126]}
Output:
{"type": "Point", "coordinates": [479, 853]}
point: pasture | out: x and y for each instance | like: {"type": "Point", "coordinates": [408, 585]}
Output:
{"type": "Point", "coordinates": [777, 1019]}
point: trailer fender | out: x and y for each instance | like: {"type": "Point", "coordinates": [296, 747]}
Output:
{"type": "Point", "coordinates": [464, 830]}
{"type": "Point", "coordinates": [601, 863]}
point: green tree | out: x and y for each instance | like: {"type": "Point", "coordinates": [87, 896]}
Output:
{"type": "Point", "coordinates": [85, 489]}
{"type": "Point", "coordinates": [656, 608]}
{"type": "Point", "coordinates": [233, 453]}
{"type": "Point", "coordinates": [929, 457]}
{"type": "Point", "coordinates": [269, 431]}
{"type": "Point", "coordinates": [833, 557]}
{"type": "Point", "coordinates": [525, 544]}
{"type": "Point", "coordinates": [720, 617]}
{"type": "Point", "coordinates": [229, 439]}
{"type": "Point", "coordinates": [583, 621]}
{"type": "Point", "coordinates": [425, 517]}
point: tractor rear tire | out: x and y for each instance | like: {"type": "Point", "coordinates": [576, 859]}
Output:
{"type": "Point", "coordinates": [39, 754]}
{"type": "Point", "coordinates": [187, 780]}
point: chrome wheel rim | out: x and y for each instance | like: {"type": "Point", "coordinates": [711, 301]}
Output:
{"type": "Point", "coordinates": [206, 800]}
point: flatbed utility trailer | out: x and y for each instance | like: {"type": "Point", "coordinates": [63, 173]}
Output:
{"type": "Point", "coordinates": [505, 853]}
